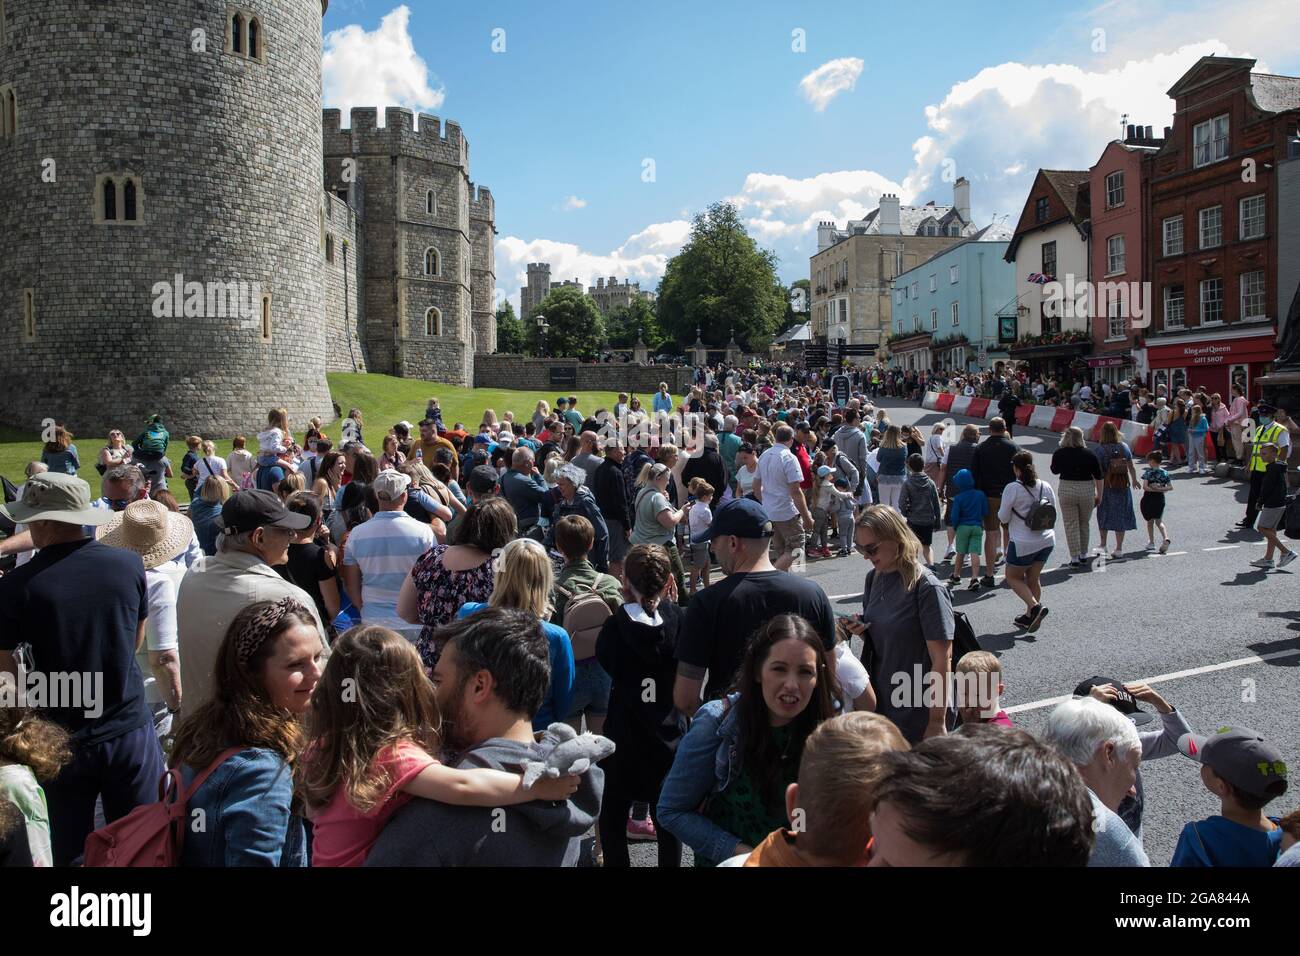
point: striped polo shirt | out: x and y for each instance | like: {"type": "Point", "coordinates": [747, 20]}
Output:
{"type": "Point", "coordinates": [386, 548]}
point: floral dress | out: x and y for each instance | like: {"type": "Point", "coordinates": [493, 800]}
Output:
{"type": "Point", "coordinates": [440, 593]}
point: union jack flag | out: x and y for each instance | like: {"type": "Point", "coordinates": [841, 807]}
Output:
{"type": "Point", "coordinates": [1039, 278]}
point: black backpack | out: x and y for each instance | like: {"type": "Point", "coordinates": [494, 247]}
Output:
{"type": "Point", "coordinates": [1041, 515]}
{"type": "Point", "coordinates": [1291, 517]}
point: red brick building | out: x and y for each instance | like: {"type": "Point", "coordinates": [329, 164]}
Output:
{"type": "Point", "coordinates": [1213, 228]}
{"type": "Point", "coordinates": [1119, 201]}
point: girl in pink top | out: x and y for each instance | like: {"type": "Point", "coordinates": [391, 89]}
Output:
{"type": "Point", "coordinates": [373, 730]}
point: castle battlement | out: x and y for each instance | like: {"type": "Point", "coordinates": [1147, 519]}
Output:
{"type": "Point", "coordinates": [433, 138]}
{"type": "Point", "coordinates": [481, 204]}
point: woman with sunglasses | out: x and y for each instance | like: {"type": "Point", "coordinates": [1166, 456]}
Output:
{"type": "Point", "coordinates": [906, 626]}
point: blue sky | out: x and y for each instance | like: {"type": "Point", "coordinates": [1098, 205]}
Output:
{"type": "Point", "coordinates": [561, 121]}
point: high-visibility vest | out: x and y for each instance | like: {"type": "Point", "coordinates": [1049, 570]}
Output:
{"type": "Point", "coordinates": [1263, 436]}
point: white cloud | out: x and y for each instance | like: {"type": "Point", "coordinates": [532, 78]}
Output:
{"type": "Point", "coordinates": [379, 68]}
{"type": "Point", "coordinates": [642, 257]}
{"type": "Point", "coordinates": [830, 80]}
{"type": "Point", "coordinates": [573, 202]}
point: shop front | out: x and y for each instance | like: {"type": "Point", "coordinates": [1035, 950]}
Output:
{"type": "Point", "coordinates": [911, 353]}
{"type": "Point", "coordinates": [1211, 362]}
{"type": "Point", "coordinates": [1111, 369]}
{"type": "Point", "coordinates": [1062, 361]}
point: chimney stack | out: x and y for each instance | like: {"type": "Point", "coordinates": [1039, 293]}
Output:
{"type": "Point", "coordinates": [961, 198]}
{"type": "Point", "coordinates": [890, 223]}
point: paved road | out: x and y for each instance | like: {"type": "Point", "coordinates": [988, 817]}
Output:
{"type": "Point", "coordinates": [1200, 608]}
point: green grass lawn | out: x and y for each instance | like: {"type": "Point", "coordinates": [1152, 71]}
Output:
{"type": "Point", "coordinates": [383, 400]}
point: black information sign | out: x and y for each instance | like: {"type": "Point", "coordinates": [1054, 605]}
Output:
{"type": "Point", "coordinates": [564, 374]}
{"type": "Point", "coordinates": [840, 390]}
{"type": "Point", "coordinates": [814, 356]}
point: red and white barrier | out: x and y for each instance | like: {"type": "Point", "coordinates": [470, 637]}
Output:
{"type": "Point", "coordinates": [1041, 416]}
{"type": "Point", "coordinates": [1051, 418]}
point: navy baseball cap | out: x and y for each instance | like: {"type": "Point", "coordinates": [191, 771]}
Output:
{"type": "Point", "coordinates": [742, 517]}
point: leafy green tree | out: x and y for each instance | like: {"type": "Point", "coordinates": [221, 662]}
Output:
{"type": "Point", "coordinates": [510, 330]}
{"type": "Point", "coordinates": [720, 281]}
{"type": "Point", "coordinates": [575, 327]}
{"type": "Point", "coordinates": [623, 321]}
{"type": "Point", "coordinates": [791, 317]}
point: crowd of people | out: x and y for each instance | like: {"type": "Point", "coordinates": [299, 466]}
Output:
{"type": "Point", "coordinates": [350, 657]}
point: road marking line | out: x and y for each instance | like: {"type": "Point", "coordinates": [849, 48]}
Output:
{"type": "Point", "coordinates": [1167, 554]}
{"type": "Point", "coordinates": [1222, 547]}
{"type": "Point", "coordinates": [1193, 672]}
{"type": "Point", "coordinates": [840, 597]}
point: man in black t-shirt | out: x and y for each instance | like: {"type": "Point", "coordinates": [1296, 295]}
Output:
{"type": "Point", "coordinates": [722, 618]}
{"type": "Point", "coordinates": [81, 607]}
{"type": "Point", "coordinates": [313, 561]}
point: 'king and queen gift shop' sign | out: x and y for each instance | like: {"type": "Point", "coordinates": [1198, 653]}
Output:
{"type": "Point", "coordinates": [840, 390]}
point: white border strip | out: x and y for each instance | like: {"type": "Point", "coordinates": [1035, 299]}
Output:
{"type": "Point", "coordinates": [1193, 672]}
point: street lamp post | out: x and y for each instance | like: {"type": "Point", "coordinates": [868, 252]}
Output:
{"type": "Point", "coordinates": [542, 326]}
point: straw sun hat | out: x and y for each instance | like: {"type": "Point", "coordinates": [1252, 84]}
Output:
{"type": "Point", "coordinates": [150, 529]}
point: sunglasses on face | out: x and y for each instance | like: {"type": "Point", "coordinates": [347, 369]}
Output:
{"type": "Point", "coordinates": [867, 549]}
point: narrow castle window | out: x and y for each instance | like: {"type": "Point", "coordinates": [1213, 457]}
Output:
{"type": "Point", "coordinates": [29, 314]}
{"type": "Point", "coordinates": [119, 198]}
{"type": "Point", "coordinates": [430, 203]}
{"type": "Point", "coordinates": [8, 112]}
{"type": "Point", "coordinates": [237, 33]}
{"type": "Point", "coordinates": [266, 317]}
{"type": "Point", "coordinates": [433, 322]}
{"type": "Point", "coordinates": [244, 35]}
{"type": "Point", "coordinates": [329, 248]}
{"type": "Point", "coordinates": [254, 28]}
{"type": "Point", "coordinates": [431, 262]}
{"type": "Point", "coordinates": [110, 200]}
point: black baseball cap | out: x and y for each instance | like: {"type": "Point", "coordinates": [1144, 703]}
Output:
{"type": "Point", "coordinates": [483, 479]}
{"type": "Point", "coordinates": [251, 509]}
{"type": "Point", "coordinates": [1124, 702]}
{"type": "Point", "coordinates": [1240, 756]}
{"type": "Point", "coordinates": [742, 517]}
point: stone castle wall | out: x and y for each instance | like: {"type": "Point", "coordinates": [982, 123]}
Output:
{"type": "Point", "coordinates": [518, 372]}
{"type": "Point", "coordinates": [228, 154]}
{"type": "Point", "coordinates": [343, 319]}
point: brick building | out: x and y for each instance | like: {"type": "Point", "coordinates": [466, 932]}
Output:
{"type": "Point", "coordinates": [1214, 226]}
{"type": "Point", "coordinates": [1119, 199]}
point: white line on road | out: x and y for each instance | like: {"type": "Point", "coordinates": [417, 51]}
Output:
{"type": "Point", "coordinates": [1222, 547]}
{"type": "Point", "coordinates": [1193, 672]}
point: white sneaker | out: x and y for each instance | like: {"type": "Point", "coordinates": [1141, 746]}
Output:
{"type": "Point", "coordinates": [952, 553]}
{"type": "Point", "coordinates": [1286, 559]}
{"type": "Point", "coordinates": [1151, 546]}
{"type": "Point", "coordinates": [1001, 556]}
{"type": "Point", "coordinates": [1115, 555]}
{"type": "Point", "coordinates": [1264, 563]}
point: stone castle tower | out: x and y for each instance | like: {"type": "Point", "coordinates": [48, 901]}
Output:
{"type": "Point", "coordinates": [427, 238]}
{"type": "Point", "coordinates": [144, 150]}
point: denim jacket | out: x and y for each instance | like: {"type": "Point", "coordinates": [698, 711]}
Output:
{"type": "Point", "coordinates": [707, 761]}
{"type": "Point", "coordinates": [246, 820]}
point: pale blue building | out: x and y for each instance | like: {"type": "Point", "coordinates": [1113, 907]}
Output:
{"type": "Point", "coordinates": [946, 309]}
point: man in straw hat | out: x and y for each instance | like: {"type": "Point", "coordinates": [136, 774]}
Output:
{"type": "Point", "coordinates": [161, 537]}
{"type": "Point", "coordinates": [80, 607]}
{"type": "Point", "coordinates": [256, 532]}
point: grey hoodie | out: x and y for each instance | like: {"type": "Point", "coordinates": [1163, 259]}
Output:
{"type": "Point", "coordinates": [851, 441]}
{"type": "Point", "coordinates": [540, 833]}
{"type": "Point", "coordinates": [919, 500]}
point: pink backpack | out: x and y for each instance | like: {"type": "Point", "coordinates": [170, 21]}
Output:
{"type": "Point", "coordinates": [152, 834]}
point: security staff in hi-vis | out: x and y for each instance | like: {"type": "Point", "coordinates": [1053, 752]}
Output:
{"type": "Point", "coordinates": [1268, 431]}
